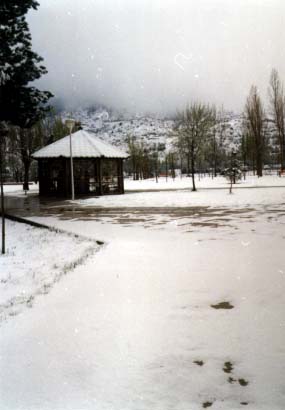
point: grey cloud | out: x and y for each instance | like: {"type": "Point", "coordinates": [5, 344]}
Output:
{"type": "Point", "coordinates": [156, 55]}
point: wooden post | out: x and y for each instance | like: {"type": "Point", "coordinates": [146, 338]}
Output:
{"type": "Point", "coordinates": [231, 174]}
{"type": "Point", "coordinates": [120, 176]}
{"type": "Point", "coordinates": [39, 177]}
{"type": "Point", "coordinates": [100, 176]}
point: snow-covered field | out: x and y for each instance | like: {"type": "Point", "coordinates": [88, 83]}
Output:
{"type": "Point", "coordinates": [210, 192]}
{"type": "Point", "coordinates": [203, 182]}
{"type": "Point", "coordinates": [34, 261]}
{"type": "Point", "coordinates": [183, 309]}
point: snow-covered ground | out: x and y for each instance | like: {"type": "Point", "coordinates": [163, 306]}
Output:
{"type": "Point", "coordinates": [203, 182]}
{"type": "Point", "coordinates": [18, 188]}
{"type": "Point", "coordinates": [210, 192]}
{"type": "Point", "coordinates": [137, 326]}
{"type": "Point", "coordinates": [34, 261]}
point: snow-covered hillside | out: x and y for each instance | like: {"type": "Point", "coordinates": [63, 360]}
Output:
{"type": "Point", "coordinates": [116, 128]}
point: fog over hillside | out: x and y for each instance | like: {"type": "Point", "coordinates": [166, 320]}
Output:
{"type": "Point", "coordinates": [156, 55]}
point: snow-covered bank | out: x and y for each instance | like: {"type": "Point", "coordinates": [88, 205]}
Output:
{"type": "Point", "coordinates": [35, 260]}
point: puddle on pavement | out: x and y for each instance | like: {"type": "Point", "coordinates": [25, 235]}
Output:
{"type": "Point", "coordinates": [209, 224]}
{"type": "Point", "coordinates": [188, 219]}
{"type": "Point", "coordinates": [35, 206]}
{"type": "Point", "coordinates": [129, 220]}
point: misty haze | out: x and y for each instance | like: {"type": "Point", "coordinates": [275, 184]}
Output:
{"type": "Point", "coordinates": [154, 56]}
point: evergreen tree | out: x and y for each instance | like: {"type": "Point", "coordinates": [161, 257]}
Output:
{"type": "Point", "coordinates": [21, 104]}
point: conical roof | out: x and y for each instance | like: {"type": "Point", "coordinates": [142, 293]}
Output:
{"type": "Point", "coordinates": [85, 144]}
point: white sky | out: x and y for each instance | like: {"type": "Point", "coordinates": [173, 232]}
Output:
{"type": "Point", "coordinates": [156, 55]}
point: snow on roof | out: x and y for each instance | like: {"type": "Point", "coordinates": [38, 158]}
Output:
{"type": "Point", "coordinates": [84, 145]}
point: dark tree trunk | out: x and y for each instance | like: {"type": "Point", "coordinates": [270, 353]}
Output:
{"type": "Point", "coordinates": [166, 168]}
{"type": "Point", "coordinates": [172, 167]}
{"type": "Point", "coordinates": [282, 152]}
{"type": "Point", "coordinates": [244, 166]}
{"type": "Point", "coordinates": [193, 175]}
{"type": "Point", "coordinates": [27, 165]}
{"type": "Point", "coordinates": [134, 168]}
{"type": "Point", "coordinates": [193, 169]}
{"type": "Point", "coordinates": [156, 170]}
{"type": "Point", "coordinates": [188, 164]}
{"type": "Point", "coordinates": [215, 160]}
{"type": "Point", "coordinates": [25, 141]}
{"type": "Point", "coordinates": [259, 162]}
{"type": "Point", "coordinates": [253, 163]}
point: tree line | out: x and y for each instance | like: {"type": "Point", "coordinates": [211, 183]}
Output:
{"type": "Point", "coordinates": [21, 143]}
{"type": "Point", "coordinates": [199, 139]}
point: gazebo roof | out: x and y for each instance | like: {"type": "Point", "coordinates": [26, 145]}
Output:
{"type": "Point", "coordinates": [85, 144]}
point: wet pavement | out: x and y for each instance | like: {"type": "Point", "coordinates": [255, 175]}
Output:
{"type": "Point", "coordinates": [31, 204]}
{"type": "Point", "coordinates": [186, 218]}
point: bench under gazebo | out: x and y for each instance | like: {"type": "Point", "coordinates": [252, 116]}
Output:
{"type": "Point", "coordinates": [97, 166]}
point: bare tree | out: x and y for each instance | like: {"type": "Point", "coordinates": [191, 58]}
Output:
{"type": "Point", "coordinates": [255, 117]}
{"type": "Point", "coordinates": [134, 157]}
{"type": "Point", "coordinates": [277, 105]}
{"type": "Point", "coordinates": [215, 149]}
{"type": "Point", "coordinates": [24, 141]}
{"type": "Point", "coordinates": [179, 147]}
{"type": "Point", "coordinates": [193, 125]}
{"type": "Point", "coordinates": [143, 159]}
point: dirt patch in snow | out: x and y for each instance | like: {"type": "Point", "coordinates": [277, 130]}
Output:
{"type": "Point", "coordinates": [228, 367]}
{"type": "Point", "coordinates": [207, 404]}
{"type": "Point", "coordinates": [199, 362]}
{"type": "Point", "coordinates": [223, 305]}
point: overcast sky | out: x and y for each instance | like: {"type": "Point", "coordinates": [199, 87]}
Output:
{"type": "Point", "coordinates": [156, 55]}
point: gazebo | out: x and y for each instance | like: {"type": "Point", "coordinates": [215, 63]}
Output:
{"type": "Point", "coordinates": [97, 166]}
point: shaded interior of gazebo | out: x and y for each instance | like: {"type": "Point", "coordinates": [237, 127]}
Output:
{"type": "Point", "coordinates": [92, 176]}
